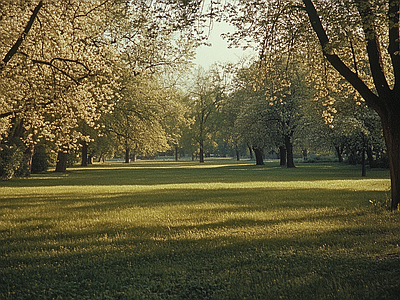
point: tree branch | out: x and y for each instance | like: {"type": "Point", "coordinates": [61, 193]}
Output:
{"type": "Point", "coordinates": [373, 48]}
{"type": "Point", "coordinates": [75, 80]}
{"type": "Point", "coordinates": [371, 99]}
{"type": "Point", "coordinates": [18, 43]}
{"type": "Point", "coordinates": [394, 37]}
{"type": "Point", "coordinates": [7, 114]}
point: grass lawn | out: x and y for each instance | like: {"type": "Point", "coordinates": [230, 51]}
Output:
{"type": "Point", "coordinates": [220, 230]}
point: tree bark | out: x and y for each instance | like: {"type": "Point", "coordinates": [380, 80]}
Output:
{"type": "Point", "coordinates": [289, 152]}
{"type": "Point", "coordinates": [237, 154]}
{"type": "Point", "coordinates": [84, 161]}
{"type": "Point", "coordinates": [259, 156]}
{"type": "Point", "coordinates": [339, 152]}
{"type": "Point", "coordinates": [391, 130]}
{"type": "Point", "coordinates": [364, 169]}
{"type": "Point", "coordinates": [251, 152]}
{"type": "Point", "coordinates": [370, 156]}
{"type": "Point", "coordinates": [61, 165]}
{"type": "Point", "coordinates": [282, 156]}
{"type": "Point", "coordinates": [176, 153]}
{"type": "Point", "coordinates": [28, 153]}
{"type": "Point", "coordinates": [201, 145]}
{"type": "Point", "coordinates": [127, 153]}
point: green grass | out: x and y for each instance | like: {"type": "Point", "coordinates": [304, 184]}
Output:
{"type": "Point", "coordinates": [221, 230]}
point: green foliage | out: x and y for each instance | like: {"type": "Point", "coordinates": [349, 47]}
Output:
{"type": "Point", "coordinates": [172, 231]}
{"type": "Point", "coordinates": [11, 161]}
{"type": "Point", "coordinates": [40, 159]}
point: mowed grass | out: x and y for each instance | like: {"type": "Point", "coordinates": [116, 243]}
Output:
{"type": "Point", "coordinates": [219, 230]}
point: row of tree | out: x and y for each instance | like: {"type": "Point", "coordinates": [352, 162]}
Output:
{"type": "Point", "coordinates": [73, 68]}
{"type": "Point", "coordinates": [277, 113]}
{"type": "Point", "coordinates": [75, 73]}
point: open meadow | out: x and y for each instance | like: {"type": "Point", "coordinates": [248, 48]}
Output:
{"type": "Point", "coordinates": [184, 230]}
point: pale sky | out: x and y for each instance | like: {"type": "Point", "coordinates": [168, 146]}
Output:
{"type": "Point", "coordinates": [219, 51]}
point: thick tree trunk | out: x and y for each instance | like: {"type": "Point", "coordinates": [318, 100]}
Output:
{"type": "Point", "coordinates": [61, 165]}
{"type": "Point", "coordinates": [289, 152]}
{"type": "Point", "coordinates": [237, 154]}
{"type": "Point", "coordinates": [282, 156]}
{"type": "Point", "coordinates": [176, 153]}
{"type": "Point", "coordinates": [201, 154]}
{"type": "Point", "coordinates": [84, 161]}
{"type": "Point", "coordinates": [391, 129]}
{"type": "Point", "coordinates": [259, 156]}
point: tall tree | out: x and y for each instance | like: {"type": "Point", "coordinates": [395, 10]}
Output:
{"type": "Point", "coordinates": [205, 96]}
{"type": "Point", "coordinates": [379, 23]}
{"type": "Point", "coordinates": [347, 32]}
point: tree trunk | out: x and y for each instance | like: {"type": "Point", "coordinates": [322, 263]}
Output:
{"type": "Point", "coordinates": [364, 169]}
{"type": "Point", "coordinates": [391, 130]}
{"type": "Point", "coordinates": [304, 152]}
{"type": "Point", "coordinates": [251, 153]}
{"type": "Point", "coordinates": [259, 156]}
{"type": "Point", "coordinates": [370, 156]}
{"type": "Point", "coordinates": [28, 153]}
{"type": "Point", "coordinates": [127, 153]}
{"type": "Point", "coordinates": [289, 152]}
{"type": "Point", "coordinates": [282, 156]}
{"type": "Point", "coordinates": [201, 151]}
{"type": "Point", "coordinates": [339, 152]}
{"type": "Point", "coordinates": [61, 165]}
{"type": "Point", "coordinates": [176, 153]}
{"type": "Point", "coordinates": [237, 154]}
{"type": "Point", "coordinates": [84, 161]}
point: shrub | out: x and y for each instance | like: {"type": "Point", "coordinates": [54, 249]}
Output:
{"type": "Point", "coordinates": [11, 161]}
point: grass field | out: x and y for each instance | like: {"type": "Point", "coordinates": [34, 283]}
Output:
{"type": "Point", "coordinates": [220, 230]}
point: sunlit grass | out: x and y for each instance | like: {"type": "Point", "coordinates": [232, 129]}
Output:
{"type": "Point", "coordinates": [189, 231]}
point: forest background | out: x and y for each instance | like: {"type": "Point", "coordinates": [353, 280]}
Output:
{"type": "Point", "coordinates": [110, 79]}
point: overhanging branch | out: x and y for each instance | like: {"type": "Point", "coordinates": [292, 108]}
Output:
{"type": "Point", "coordinates": [18, 43]}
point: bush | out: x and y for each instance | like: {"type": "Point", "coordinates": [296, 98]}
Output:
{"type": "Point", "coordinates": [11, 161]}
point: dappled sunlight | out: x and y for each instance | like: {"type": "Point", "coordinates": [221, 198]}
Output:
{"type": "Point", "coordinates": [101, 190]}
{"type": "Point", "coordinates": [269, 234]}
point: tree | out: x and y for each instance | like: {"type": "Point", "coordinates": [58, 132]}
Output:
{"type": "Point", "coordinates": [143, 120]}
{"type": "Point", "coordinates": [62, 60]}
{"type": "Point", "coordinates": [205, 96]}
{"type": "Point", "coordinates": [379, 23]}
{"type": "Point", "coordinates": [347, 32]}
{"type": "Point", "coordinates": [59, 72]}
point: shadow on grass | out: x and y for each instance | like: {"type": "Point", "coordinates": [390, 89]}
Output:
{"type": "Point", "coordinates": [254, 243]}
{"type": "Point", "coordinates": [234, 249]}
{"type": "Point", "coordinates": [226, 268]}
{"type": "Point", "coordinates": [176, 173]}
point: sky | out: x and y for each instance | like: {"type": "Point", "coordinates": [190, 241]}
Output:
{"type": "Point", "coordinates": [219, 51]}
